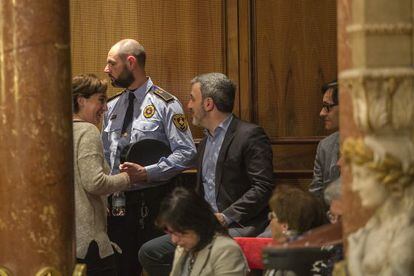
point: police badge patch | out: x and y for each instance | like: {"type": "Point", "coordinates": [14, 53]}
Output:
{"type": "Point", "coordinates": [180, 122]}
{"type": "Point", "coordinates": [149, 111]}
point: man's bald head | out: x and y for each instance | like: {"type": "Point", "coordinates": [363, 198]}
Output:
{"type": "Point", "coordinates": [130, 47]}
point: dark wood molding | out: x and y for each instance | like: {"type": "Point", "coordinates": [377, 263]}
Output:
{"type": "Point", "coordinates": [287, 140]}
{"type": "Point", "coordinates": [238, 54]}
{"type": "Point", "coordinates": [232, 68]}
{"type": "Point", "coordinates": [293, 174]}
{"type": "Point", "coordinates": [253, 66]}
{"type": "Point", "coordinates": [285, 174]}
{"type": "Point", "coordinates": [245, 61]}
{"type": "Point", "coordinates": [296, 140]}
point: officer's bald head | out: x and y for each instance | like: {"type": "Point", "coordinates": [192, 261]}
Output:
{"type": "Point", "coordinates": [130, 47]}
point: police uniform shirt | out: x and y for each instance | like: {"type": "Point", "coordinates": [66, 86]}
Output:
{"type": "Point", "coordinates": [157, 115]}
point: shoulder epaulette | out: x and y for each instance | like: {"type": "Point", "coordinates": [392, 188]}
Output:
{"type": "Point", "coordinates": [167, 97]}
{"type": "Point", "coordinates": [115, 96]}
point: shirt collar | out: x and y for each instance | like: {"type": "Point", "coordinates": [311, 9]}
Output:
{"type": "Point", "coordinates": [222, 127]}
{"type": "Point", "coordinates": [143, 89]}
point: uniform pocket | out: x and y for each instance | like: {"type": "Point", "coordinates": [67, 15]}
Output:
{"type": "Point", "coordinates": [113, 127]}
{"type": "Point", "coordinates": [146, 126]}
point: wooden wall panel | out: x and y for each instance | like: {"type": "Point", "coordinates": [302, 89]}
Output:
{"type": "Point", "coordinates": [295, 54]}
{"type": "Point", "coordinates": [294, 158]}
{"type": "Point", "coordinates": [239, 49]}
{"type": "Point", "coordinates": [182, 38]}
{"type": "Point", "coordinates": [302, 183]}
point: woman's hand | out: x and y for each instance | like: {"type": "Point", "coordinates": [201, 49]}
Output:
{"type": "Point", "coordinates": [136, 172]}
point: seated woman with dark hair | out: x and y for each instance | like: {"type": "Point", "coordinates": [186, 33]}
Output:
{"type": "Point", "coordinates": [294, 211]}
{"type": "Point", "coordinates": [203, 245]}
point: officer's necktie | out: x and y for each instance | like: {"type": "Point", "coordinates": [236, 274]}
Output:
{"type": "Point", "coordinates": [129, 114]}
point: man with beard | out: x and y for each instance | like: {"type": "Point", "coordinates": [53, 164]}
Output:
{"type": "Point", "coordinates": [142, 111]}
{"type": "Point", "coordinates": [234, 171]}
{"type": "Point", "coordinates": [326, 168]}
{"type": "Point", "coordinates": [235, 164]}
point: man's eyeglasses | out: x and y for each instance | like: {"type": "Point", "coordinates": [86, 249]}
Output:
{"type": "Point", "coordinates": [328, 107]}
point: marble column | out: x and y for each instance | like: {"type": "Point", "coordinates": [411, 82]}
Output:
{"type": "Point", "coordinates": [36, 173]}
{"type": "Point", "coordinates": [357, 216]}
{"type": "Point", "coordinates": [376, 78]}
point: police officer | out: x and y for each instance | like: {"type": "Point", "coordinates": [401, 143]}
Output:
{"type": "Point", "coordinates": [142, 111]}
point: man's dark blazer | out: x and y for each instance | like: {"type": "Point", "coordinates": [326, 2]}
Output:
{"type": "Point", "coordinates": [244, 176]}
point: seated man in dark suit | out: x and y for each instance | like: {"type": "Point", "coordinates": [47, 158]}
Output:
{"type": "Point", "coordinates": [235, 172]}
{"type": "Point", "coordinates": [326, 168]}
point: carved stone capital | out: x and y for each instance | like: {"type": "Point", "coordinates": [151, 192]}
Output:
{"type": "Point", "coordinates": [383, 99]}
{"type": "Point", "coordinates": [381, 29]}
